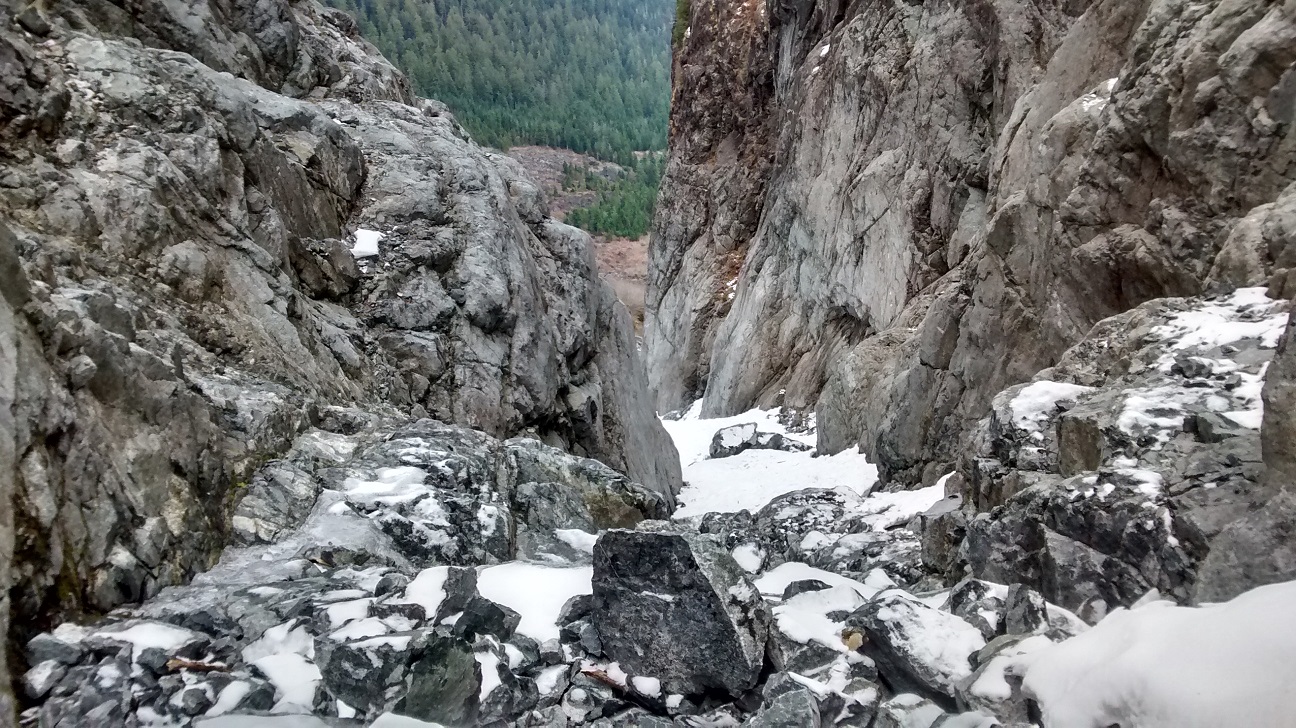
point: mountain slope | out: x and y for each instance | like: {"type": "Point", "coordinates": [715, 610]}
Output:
{"type": "Point", "coordinates": [581, 74]}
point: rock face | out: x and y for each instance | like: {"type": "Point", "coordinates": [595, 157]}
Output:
{"type": "Point", "coordinates": [181, 186]}
{"type": "Point", "coordinates": [954, 196]}
{"type": "Point", "coordinates": [1120, 469]}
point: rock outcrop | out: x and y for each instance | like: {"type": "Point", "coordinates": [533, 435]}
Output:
{"type": "Point", "coordinates": [184, 190]}
{"type": "Point", "coordinates": [912, 206]}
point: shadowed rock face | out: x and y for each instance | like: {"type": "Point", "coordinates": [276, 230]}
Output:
{"type": "Point", "coordinates": [180, 186]}
{"type": "Point", "coordinates": [947, 197]}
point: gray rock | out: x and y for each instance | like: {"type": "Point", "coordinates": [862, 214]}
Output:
{"type": "Point", "coordinates": [481, 616]}
{"type": "Point", "coordinates": [443, 684]}
{"type": "Point", "coordinates": [363, 674]}
{"type": "Point", "coordinates": [677, 607]}
{"type": "Point", "coordinates": [796, 708]}
{"type": "Point", "coordinates": [178, 300]}
{"type": "Point", "coordinates": [46, 646]}
{"type": "Point", "coordinates": [38, 681]}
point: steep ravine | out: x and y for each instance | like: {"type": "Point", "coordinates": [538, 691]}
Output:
{"type": "Point", "coordinates": [972, 319]}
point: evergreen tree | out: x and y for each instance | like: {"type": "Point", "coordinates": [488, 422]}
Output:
{"type": "Point", "coordinates": [588, 75]}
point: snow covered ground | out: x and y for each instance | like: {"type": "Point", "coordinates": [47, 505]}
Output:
{"type": "Point", "coordinates": [751, 479]}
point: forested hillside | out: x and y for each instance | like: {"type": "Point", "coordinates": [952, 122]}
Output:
{"type": "Point", "coordinates": [588, 75]}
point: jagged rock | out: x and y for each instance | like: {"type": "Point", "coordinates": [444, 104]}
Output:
{"type": "Point", "coordinates": [42, 678]}
{"type": "Point", "coordinates": [761, 292]}
{"type": "Point", "coordinates": [1024, 611]}
{"type": "Point", "coordinates": [363, 673]}
{"type": "Point", "coordinates": [677, 607]}
{"type": "Point", "coordinates": [481, 616]}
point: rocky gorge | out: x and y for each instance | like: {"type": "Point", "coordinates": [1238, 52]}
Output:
{"type": "Point", "coordinates": [968, 328]}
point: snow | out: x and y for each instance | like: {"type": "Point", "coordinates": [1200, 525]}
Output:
{"type": "Point", "coordinates": [230, 696]}
{"type": "Point", "coordinates": [884, 510]}
{"type": "Point", "coordinates": [751, 479]}
{"type": "Point", "coordinates": [534, 591]}
{"type": "Point", "coordinates": [776, 580]}
{"type": "Point", "coordinates": [391, 486]}
{"type": "Point", "coordinates": [736, 435]}
{"type": "Point", "coordinates": [1036, 402]}
{"type": "Point", "coordinates": [271, 721]}
{"type": "Point", "coordinates": [577, 539]}
{"type": "Point", "coordinates": [144, 635]}
{"type": "Point", "coordinates": [281, 639]}
{"type": "Point", "coordinates": [428, 589]}
{"type": "Point", "coordinates": [391, 720]}
{"type": "Point", "coordinates": [549, 679]}
{"type": "Point", "coordinates": [489, 672]}
{"type": "Point", "coordinates": [349, 611]}
{"type": "Point", "coordinates": [649, 686]}
{"type": "Point", "coordinates": [749, 556]}
{"type": "Point", "coordinates": [366, 243]}
{"type": "Point", "coordinates": [295, 679]}
{"type": "Point", "coordinates": [1163, 666]}
{"type": "Point", "coordinates": [692, 434]}
{"type": "Point", "coordinates": [1249, 392]}
{"type": "Point", "coordinates": [1247, 313]}
{"type": "Point", "coordinates": [360, 629]}
{"type": "Point", "coordinates": [804, 617]}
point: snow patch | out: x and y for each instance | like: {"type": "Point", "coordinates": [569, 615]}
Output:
{"type": "Point", "coordinates": [366, 243]}
{"type": "Point", "coordinates": [534, 591]}
{"type": "Point", "coordinates": [1036, 402]}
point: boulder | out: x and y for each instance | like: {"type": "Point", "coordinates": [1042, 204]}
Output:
{"type": "Point", "coordinates": [444, 684]}
{"type": "Point", "coordinates": [917, 648]}
{"type": "Point", "coordinates": [678, 607]}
